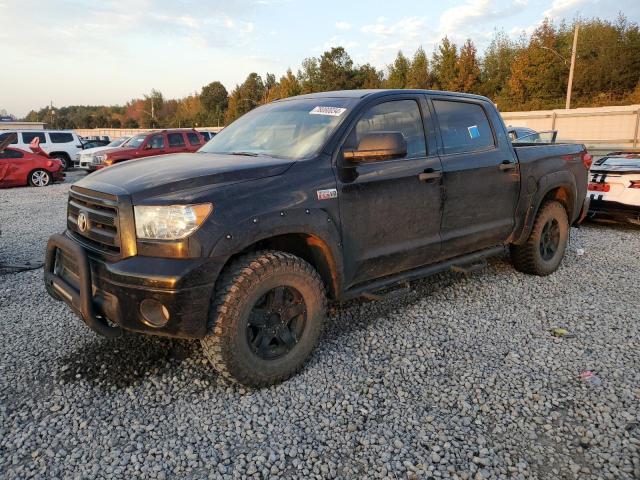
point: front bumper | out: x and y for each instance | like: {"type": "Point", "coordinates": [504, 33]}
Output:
{"type": "Point", "coordinates": [108, 295]}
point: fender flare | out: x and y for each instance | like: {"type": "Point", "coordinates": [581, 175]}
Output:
{"type": "Point", "coordinates": [546, 184]}
{"type": "Point", "coordinates": [317, 224]}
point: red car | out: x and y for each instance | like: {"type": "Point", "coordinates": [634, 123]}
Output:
{"type": "Point", "coordinates": [19, 168]}
{"type": "Point", "coordinates": [158, 142]}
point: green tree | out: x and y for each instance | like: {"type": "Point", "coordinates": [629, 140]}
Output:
{"type": "Point", "coordinates": [214, 99]}
{"type": "Point", "coordinates": [398, 72]}
{"type": "Point", "coordinates": [245, 97]}
{"type": "Point", "coordinates": [444, 65]}
{"type": "Point", "coordinates": [496, 66]}
{"type": "Point", "coordinates": [367, 76]}
{"type": "Point", "coordinates": [336, 70]}
{"type": "Point", "coordinates": [418, 75]}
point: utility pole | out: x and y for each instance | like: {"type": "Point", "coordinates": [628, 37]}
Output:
{"type": "Point", "coordinates": [573, 63]}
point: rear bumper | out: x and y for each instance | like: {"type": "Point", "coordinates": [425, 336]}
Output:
{"type": "Point", "coordinates": [108, 296]}
{"type": "Point", "coordinates": [614, 210]}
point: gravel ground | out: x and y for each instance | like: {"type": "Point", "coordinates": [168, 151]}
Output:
{"type": "Point", "coordinates": [460, 378]}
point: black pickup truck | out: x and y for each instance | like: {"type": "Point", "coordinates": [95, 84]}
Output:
{"type": "Point", "coordinates": [332, 195]}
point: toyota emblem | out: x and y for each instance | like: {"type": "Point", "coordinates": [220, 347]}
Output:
{"type": "Point", "coordinates": [83, 222]}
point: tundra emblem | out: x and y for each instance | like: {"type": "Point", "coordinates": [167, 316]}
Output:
{"type": "Point", "coordinates": [327, 194]}
{"type": "Point", "coordinates": [83, 222]}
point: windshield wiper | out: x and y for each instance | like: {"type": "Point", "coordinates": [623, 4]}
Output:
{"type": "Point", "coordinates": [244, 154]}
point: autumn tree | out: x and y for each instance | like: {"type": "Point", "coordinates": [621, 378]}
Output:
{"type": "Point", "coordinates": [468, 71]}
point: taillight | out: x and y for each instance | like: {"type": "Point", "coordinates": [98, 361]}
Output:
{"type": "Point", "coordinates": [600, 187]}
{"type": "Point", "coordinates": [635, 184]}
{"type": "Point", "coordinates": [587, 159]}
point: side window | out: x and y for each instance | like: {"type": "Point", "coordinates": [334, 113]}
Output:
{"type": "Point", "coordinates": [176, 140]}
{"type": "Point", "coordinates": [5, 135]}
{"type": "Point", "coordinates": [11, 154]}
{"type": "Point", "coordinates": [60, 137]}
{"type": "Point", "coordinates": [464, 126]}
{"type": "Point", "coordinates": [396, 116]}
{"type": "Point", "coordinates": [193, 138]}
{"type": "Point", "coordinates": [27, 137]}
{"type": "Point", "coordinates": [157, 141]}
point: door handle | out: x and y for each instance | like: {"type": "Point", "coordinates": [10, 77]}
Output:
{"type": "Point", "coordinates": [429, 174]}
{"type": "Point", "coordinates": [507, 165]}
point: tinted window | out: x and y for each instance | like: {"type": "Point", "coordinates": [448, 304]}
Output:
{"type": "Point", "coordinates": [27, 137]}
{"type": "Point", "coordinates": [61, 137]}
{"type": "Point", "coordinates": [175, 140]}
{"type": "Point", "coordinates": [398, 116]}
{"type": "Point", "coordinates": [193, 138]}
{"type": "Point", "coordinates": [5, 135]}
{"type": "Point", "coordinates": [11, 154]}
{"type": "Point", "coordinates": [464, 126]}
{"type": "Point", "coordinates": [157, 141]}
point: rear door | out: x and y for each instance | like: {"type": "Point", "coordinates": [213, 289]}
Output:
{"type": "Point", "coordinates": [481, 176]}
{"type": "Point", "coordinates": [177, 142]}
{"type": "Point", "coordinates": [195, 141]}
{"type": "Point", "coordinates": [390, 217]}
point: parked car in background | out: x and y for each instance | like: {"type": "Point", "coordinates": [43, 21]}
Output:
{"type": "Point", "coordinates": [60, 144]}
{"type": "Point", "coordinates": [207, 135]}
{"type": "Point", "coordinates": [157, 142]}
{"type": "Point", "coordinates": [334, 194]}
{"type": "Point", "coordinates": [527, 135]}
{"type": "Point", "coordinates": [19, 167]}
{"type": "Point", "coordinates": [87, 144]}
{"type": "Point", "coordinates": [86, 159]}
{"type": "Point", "coordinates": [614, 187]}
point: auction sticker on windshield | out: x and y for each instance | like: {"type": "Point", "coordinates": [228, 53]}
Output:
{"type": "Point", "coordinates": [331, 111]}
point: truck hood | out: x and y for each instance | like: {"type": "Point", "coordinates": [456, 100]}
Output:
{"type": "Point", "coordinates": [166, 174]}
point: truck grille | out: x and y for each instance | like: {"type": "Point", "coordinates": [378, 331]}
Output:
{"type": "Point", "coordinates": [100, 220]}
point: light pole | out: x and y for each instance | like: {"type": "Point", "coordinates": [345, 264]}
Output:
{"type": "Point", "coordinates": [567, 105]}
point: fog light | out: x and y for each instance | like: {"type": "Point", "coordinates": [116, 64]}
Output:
{"type": "Point", "coordinates": [154, 313]}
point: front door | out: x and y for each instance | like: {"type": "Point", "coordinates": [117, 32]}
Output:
{"type": "Point", "coordinates": [156, 145]}
{"type": "Point", "coordinates": [390, 214]}
{"type": "Point", "coordinates": [481, 178]}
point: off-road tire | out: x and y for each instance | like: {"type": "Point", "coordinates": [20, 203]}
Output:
{"type": "Point", "coordinates": [527, 257]}
{"type": "Point", "coordinates": [239, 287]}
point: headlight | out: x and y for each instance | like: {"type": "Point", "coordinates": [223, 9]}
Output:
{"type": "Point", "coordinates": [171, 222]}
{"type": "Point", "coordinates": [99, 159]}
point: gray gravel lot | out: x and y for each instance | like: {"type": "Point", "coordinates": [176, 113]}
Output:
{"type": "Point", "coordinates": [460, 378]}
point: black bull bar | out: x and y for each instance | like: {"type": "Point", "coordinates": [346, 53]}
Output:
{"type": "Point", "coordinates": [80, 300]}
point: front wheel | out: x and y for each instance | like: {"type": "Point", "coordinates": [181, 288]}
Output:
{"type": "Point", "coordinates": [547, 242]}
{"type": "Point", "coordinates": [267, 317]}
{"type": "Point", "coordinates": [39, 178]}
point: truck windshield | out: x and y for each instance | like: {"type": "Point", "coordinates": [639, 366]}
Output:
{"type": "Point", "coordinates": [291, 129]}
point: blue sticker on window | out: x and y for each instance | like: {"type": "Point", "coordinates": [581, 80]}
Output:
{"type": "Point", "coordinates": [474, 132]}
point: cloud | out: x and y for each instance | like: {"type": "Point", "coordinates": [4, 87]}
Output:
{"type": "Point", "coordinates": [560, 8]}
{"type": "Point", "coordinates": [343, 25]}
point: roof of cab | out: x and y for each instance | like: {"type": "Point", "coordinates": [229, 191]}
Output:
{"type": "Point", "coordinates": [380, 92]}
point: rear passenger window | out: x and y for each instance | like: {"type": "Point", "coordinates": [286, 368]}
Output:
{"type": "Point", "coordinates": [464, 126]}
{"type": "Point", "coordinates": [175, 140]}
{"type": "Point", "coordinates": [27, 137]}
{"type": "Point", "coordinates": [5, 135]}
{"type": "Point", "coordinates": [193, 138]}
{"type": "Point", "coordinates": [61, 137]}
{"type": "Point", "coordinates": [397, 116]}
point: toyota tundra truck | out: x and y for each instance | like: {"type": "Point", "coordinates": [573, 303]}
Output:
{"type": "Point", "coordinates": [322, 197]}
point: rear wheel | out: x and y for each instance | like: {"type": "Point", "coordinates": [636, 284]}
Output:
{"type": "Point", "coordinates": [545, 247]}
{"type": "Point", "coordinates": [267, 317]}
{"type": "Point", "coordinates": [39, 178]}
{"type": "Point", "coordinates": [63, 158]}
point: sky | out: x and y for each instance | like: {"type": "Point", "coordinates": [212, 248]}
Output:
{"type": "Point", "coordinates": [90, 52]}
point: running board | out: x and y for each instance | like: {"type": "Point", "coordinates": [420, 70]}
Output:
{"type": "Point", "coordinates": [465, 264]}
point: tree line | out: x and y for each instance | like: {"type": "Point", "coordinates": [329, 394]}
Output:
{"type": "Point", "coordinates": [529, 73]}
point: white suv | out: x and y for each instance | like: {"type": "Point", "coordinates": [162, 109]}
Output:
{"type": "Point", "coordinates": [60, 144]}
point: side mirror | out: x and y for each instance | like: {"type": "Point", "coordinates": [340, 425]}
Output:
{"type": "Point", "coordinates": [377, 146]}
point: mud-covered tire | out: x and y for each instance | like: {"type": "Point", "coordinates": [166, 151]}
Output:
{"type": "Point", "coordinates": [239, 292]}
{"type": "Point", "coordinates": [532, 257]}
